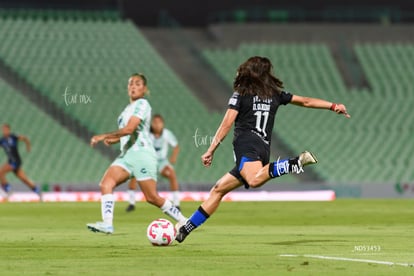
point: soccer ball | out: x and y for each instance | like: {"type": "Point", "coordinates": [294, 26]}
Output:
{"type": "Point", "coordinates": [161, 232]}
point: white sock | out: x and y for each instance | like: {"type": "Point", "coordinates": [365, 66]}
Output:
{"type": "Point", "coordinates": [176, 198]}
{"type": "Point", "coordinates": [169, 209]}
{"type": "Point", "coordinates": [131, 197]}
{"type": "Point", "coordinates": [107, 208]}
{"type": "Point", "coordinates": [3, 193]}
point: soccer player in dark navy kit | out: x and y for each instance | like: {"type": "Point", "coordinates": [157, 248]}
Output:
{"type": "Point", "coordinates": [252, 109]}
{"type": "Point", "coordinates": [9, 143]}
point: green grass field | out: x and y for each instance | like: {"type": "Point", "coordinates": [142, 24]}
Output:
{"type": "Point", "coordinates": [240, 239]}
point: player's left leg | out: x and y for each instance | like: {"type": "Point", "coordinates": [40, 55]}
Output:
{"type": "Point", "coordinates": [29, 183]}
{"type": "Point", "coordinates": [149, 189]}
{"type": "Point", "coordinates": [5, 169]}
{"type": "Point", "coordinates": [169, 173]}
{"type": "Point", "coordinates": [224, 185]}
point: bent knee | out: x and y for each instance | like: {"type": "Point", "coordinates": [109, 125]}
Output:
{"type": "Point", "coordinates": [168, 172]}
{"type": "Point", "coordinates": [154, 200]}
{"type": "Point", "coordinates": [218, 190]}
{"type": "Point", "coordinates": [254, 183]}
{"type": "Point", "coordinates": [107, 184]}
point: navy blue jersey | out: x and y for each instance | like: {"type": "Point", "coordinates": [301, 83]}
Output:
{"type": "Point", "coordinates": [257, 115]}
{"type": "Point", "coordinates": [9, 144]}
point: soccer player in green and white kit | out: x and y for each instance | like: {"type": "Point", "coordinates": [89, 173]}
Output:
{"type": "Point", "coordinates": [137, 159]}
{"type": "Point", "coordinates": [162, 139]}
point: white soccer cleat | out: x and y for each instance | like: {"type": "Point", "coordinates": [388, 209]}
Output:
{"type": "Point", "coordinates": [307, 158]}
{"type": "Point", "coordinates": [304, 159]}
{"type": "Point", "coordinates": [100, 227]}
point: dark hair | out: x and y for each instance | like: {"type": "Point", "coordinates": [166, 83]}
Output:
{"type": "Point", "coordinates": [6, 125]}
{"type": "Point", "coordinates": [255, 77]}
{"type": "Point", "coordinates": [158, 116]}
{"type": "Point", "coordinates": [144, 79]}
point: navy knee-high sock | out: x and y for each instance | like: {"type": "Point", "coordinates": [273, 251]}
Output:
{"type": "Point", "coordinates": [197, 218]}
{"type": "Point", "coordinates": [282, 167]}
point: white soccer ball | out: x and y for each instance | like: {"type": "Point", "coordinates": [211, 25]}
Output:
{"type": "Point", "coordinates": [161, 232]}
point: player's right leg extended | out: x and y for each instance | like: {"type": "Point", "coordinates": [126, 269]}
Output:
{"type": "Point", "coordinates": [29, 183]}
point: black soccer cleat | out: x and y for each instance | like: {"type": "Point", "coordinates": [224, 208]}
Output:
{"type": "Point", "coordinates": [182, 234]}
{"type": "Point", "coordinates": [130, 208]}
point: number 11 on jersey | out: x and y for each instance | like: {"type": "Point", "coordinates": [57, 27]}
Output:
{"type": "Point", "coordinates": [261, 124]}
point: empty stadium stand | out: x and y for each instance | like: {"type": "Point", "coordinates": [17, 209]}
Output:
{"type": "Point", "coordinates": [83, 67]}
{"type": "Point", "coordinates": [57, 155]}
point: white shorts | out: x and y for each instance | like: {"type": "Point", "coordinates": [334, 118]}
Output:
{"type": "Point", "coordinates": [141, 164]}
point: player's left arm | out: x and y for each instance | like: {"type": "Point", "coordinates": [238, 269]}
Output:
{"type": "Point", "coordinates": [131, 126]}
{"type": "Point", "coordinates": [320, 104]}
{"type": "Point", "coordinates": [26, 141]}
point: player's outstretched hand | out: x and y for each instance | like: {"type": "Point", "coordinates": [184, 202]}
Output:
{"type": "Point", "coordinates": [96, 139]}
{"type": "Point", "coordinates": [341, 109]}
{"type": "Point", "coordinates": [110, 141]}
{"type": "Point", "coordinates": [207, 159]}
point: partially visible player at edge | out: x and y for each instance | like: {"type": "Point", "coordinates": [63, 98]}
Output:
{"type": "Point", "coordinates": [9, 142]}
{"type": "Point", "coordinates": [137, 159]}
{"type": "Point", "coordinates": [162, 139]}
{"type": "Point", "coordinates": [252, 109]}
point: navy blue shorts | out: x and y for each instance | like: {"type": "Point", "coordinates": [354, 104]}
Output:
{"type": "Point", "coordinates": [15, 164]}
{"type": "Point", "coordinates": [249, 147]}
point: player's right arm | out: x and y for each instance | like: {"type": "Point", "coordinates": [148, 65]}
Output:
{"type": "Point", "coordinates": [131, 126]}
{"type": "Point", "coordinates": [319, 103]}
{"type": "Point", "coordinates": [112, 141]}
{"type": "Point", "coordinates": [140, 111]}
{"type": "Point", "coordinates": [221, 133]}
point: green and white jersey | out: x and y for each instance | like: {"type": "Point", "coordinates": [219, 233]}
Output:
{"type": "Point", "coordinates": [162, 143]}
{"type": "Point", "coordinates": [140, 138]}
